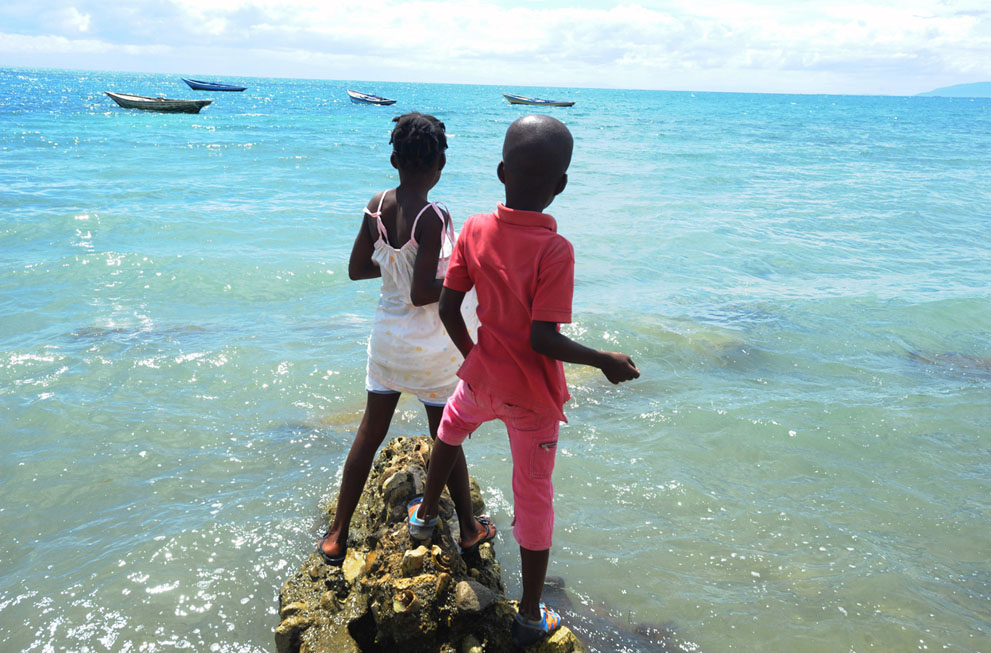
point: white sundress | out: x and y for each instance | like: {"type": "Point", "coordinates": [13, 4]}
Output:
{"type": "Point", "coordinates": [409, 349]}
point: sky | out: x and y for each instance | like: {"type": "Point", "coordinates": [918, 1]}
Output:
{"type": "Point", "coordinates": [886, 47]}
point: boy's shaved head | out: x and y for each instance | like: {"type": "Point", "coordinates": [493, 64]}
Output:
{"type": "Point", "coordinates": [537, 151]}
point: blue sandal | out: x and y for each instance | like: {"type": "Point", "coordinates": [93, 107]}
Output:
{"type": "Point", "coordinates": [527, 634]}
{"type": "Point", "coordinates": [419, 529]}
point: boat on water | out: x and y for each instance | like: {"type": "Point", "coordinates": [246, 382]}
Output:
{"type": "Point", "coordinates": [198, 85]}
{"type": "Point", "coordinates": [162, 104]}
{"type": "Point", "coordinates": [522, 99]}
{"type": "Point", "coordinates": [366, 98]}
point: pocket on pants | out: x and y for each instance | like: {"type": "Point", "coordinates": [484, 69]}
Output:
{"type": "Point", "coordinates": [542, 457]}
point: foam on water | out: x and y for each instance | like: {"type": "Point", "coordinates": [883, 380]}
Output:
{"type": "Point", "coordinates": [803, 281]}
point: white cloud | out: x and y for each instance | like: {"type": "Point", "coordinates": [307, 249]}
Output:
{"type": "Point", "coordinates": [72, 20]}
{"type": "Point", "coordinates": [20, 45]}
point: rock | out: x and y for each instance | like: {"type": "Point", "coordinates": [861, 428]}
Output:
{"type": "Point", "coordinates": [400, 483]}
{"type": "Point", "coordinates": [471, 596]}
{"type": "Point", "coordinates": [354, 566]}
{"type": "Point", "coordinates": [329, 602]}
{"type": "Point", "coordinates": [477, 502]}
{"type": "Point", "coordinates": [287, 633]}
{"type": "Point", "coordinates": [413, 561]}
{"type": "Point", "coordinates": [292, 609]}
{"type": "Point", "coordinates": [393, 593]}
{"type": "Point", "coordinates": [370, 562]}
{"type": "Point", "coordinates": [562, 641]}
{"type": "Point", "coordinates": [443, 583]}
{"type": "Point", "coordinates": [471, 645]}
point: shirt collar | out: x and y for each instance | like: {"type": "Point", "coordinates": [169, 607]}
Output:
{"type": "Point", "coordinates": [525, 218]}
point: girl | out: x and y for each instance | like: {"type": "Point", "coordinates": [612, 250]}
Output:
{"type": "Point", "coordinates": [409, 350]}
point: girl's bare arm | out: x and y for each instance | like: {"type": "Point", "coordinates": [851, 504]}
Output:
{"type": "Point", "coordinates": [425, 288]}
{"type": "Point", "coordinates": [361, 265]}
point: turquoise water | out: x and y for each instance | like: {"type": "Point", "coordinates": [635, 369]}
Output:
{"type": "Point", "coordinates": [802, 280]}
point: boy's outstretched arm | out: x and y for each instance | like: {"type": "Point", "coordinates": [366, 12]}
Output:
{"type": "Point", "coordinates": [450, 314]}
{"type": "Point", "coordinates": [547, 340]}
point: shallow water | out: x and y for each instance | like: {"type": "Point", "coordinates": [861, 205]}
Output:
{"type": "Point", "coordinates": [802, 280]}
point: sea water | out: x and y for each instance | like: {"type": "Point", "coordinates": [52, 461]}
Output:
{"type": "Point", "coordinates": [803, 282]}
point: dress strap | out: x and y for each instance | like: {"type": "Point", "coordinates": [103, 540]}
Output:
{"type": "Point", "coordinates": [447, 227]}
{"type": "Point", "coordinates": [378, 219]}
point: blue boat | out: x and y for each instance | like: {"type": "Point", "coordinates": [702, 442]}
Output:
{"type": "Point", "coordinates": [367, 98]}
{"type": "Point", "coordinates": [198, 85]}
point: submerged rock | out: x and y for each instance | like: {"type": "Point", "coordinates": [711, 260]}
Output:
{"type": "Point", "coordinates": [393, 592]}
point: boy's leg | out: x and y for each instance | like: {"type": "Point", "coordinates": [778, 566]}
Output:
{"type": "Point", "coordinates": [534, 571]}
{"type": "Point", "coordinates": [379, 409]}
{"type": "Point", "coordinates": [457, 484]}
{"type": "Point", "coordinates": [533, 441]}
{"type": "Point", "coordinates": [443, 457]}
{"type": "Point", "coordinates": [461, 416]}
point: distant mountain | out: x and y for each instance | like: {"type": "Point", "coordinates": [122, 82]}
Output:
{"type": "Point", "coordinates": [978, 89]}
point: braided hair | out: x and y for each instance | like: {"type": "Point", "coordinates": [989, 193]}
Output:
{"type": "Point", "coordinates": [417, 140]}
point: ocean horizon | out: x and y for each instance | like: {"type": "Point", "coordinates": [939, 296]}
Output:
{"type": "Point", "coordinates": [247, 79]}
{"type": "Point", "coordinates": [804, 282]}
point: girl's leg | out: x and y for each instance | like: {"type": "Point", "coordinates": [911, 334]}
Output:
{"type": "Point", "coordinates": [379, 410]}
{"type": "Point", "coordinates": [458, 486]}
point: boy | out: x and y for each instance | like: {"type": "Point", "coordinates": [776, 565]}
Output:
{"type": "Point", "coordinates": [523, 272]}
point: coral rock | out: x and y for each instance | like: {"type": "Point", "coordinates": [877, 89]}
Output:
{"type": "Point", "coordinates": [393, 593]}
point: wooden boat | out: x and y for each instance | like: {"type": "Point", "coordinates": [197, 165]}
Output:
{"type": "Point", "coordinates": [522, 99]}
{"type": "Point", "coordinates": [198, 85]}
{"type": "Point", "coordinates": [162, 104]}
{"type": "Point", "coordinates": [365, 98]}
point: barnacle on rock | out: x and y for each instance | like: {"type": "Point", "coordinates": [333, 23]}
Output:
{"type": "Point", "coordinates": [405, 601]}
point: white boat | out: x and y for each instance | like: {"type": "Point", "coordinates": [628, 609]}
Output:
{"type": "Point", "coordinates": [162, 104]}
{"type": "Point", "coordinates": [367, 98]}
{"type": "Point", "coordinates": [522, 99]}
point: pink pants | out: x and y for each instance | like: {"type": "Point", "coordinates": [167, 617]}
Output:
{"type": "Point", "coordinates": [533, 442]}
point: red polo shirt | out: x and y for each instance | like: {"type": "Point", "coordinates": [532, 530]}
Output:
{"type": "Point", "coordinates": [522, 270]}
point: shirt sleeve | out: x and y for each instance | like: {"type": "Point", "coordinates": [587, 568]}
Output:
{"type": "Point", "coordinates": [555, 284]}
{"type": "Point", "coordinates": [457, 268]}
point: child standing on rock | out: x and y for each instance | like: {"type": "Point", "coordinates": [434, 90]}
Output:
{"type": "Point", "coordinates": [523, 272]}
{"type": "Point", "coordinates": [409, 350]}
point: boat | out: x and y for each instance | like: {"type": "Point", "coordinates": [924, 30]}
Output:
{"type": "Point", "coordinates": [162, 104]}
{"type": "Point", "coordinates": [522, 99]}
{"type": "Point", "coordinates": [198, 85]}
{"type": "Point", "coordinates": [366, 98]}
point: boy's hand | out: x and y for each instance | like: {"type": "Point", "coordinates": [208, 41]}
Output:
{"type": "Point", "coordinates": [618, 367]}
